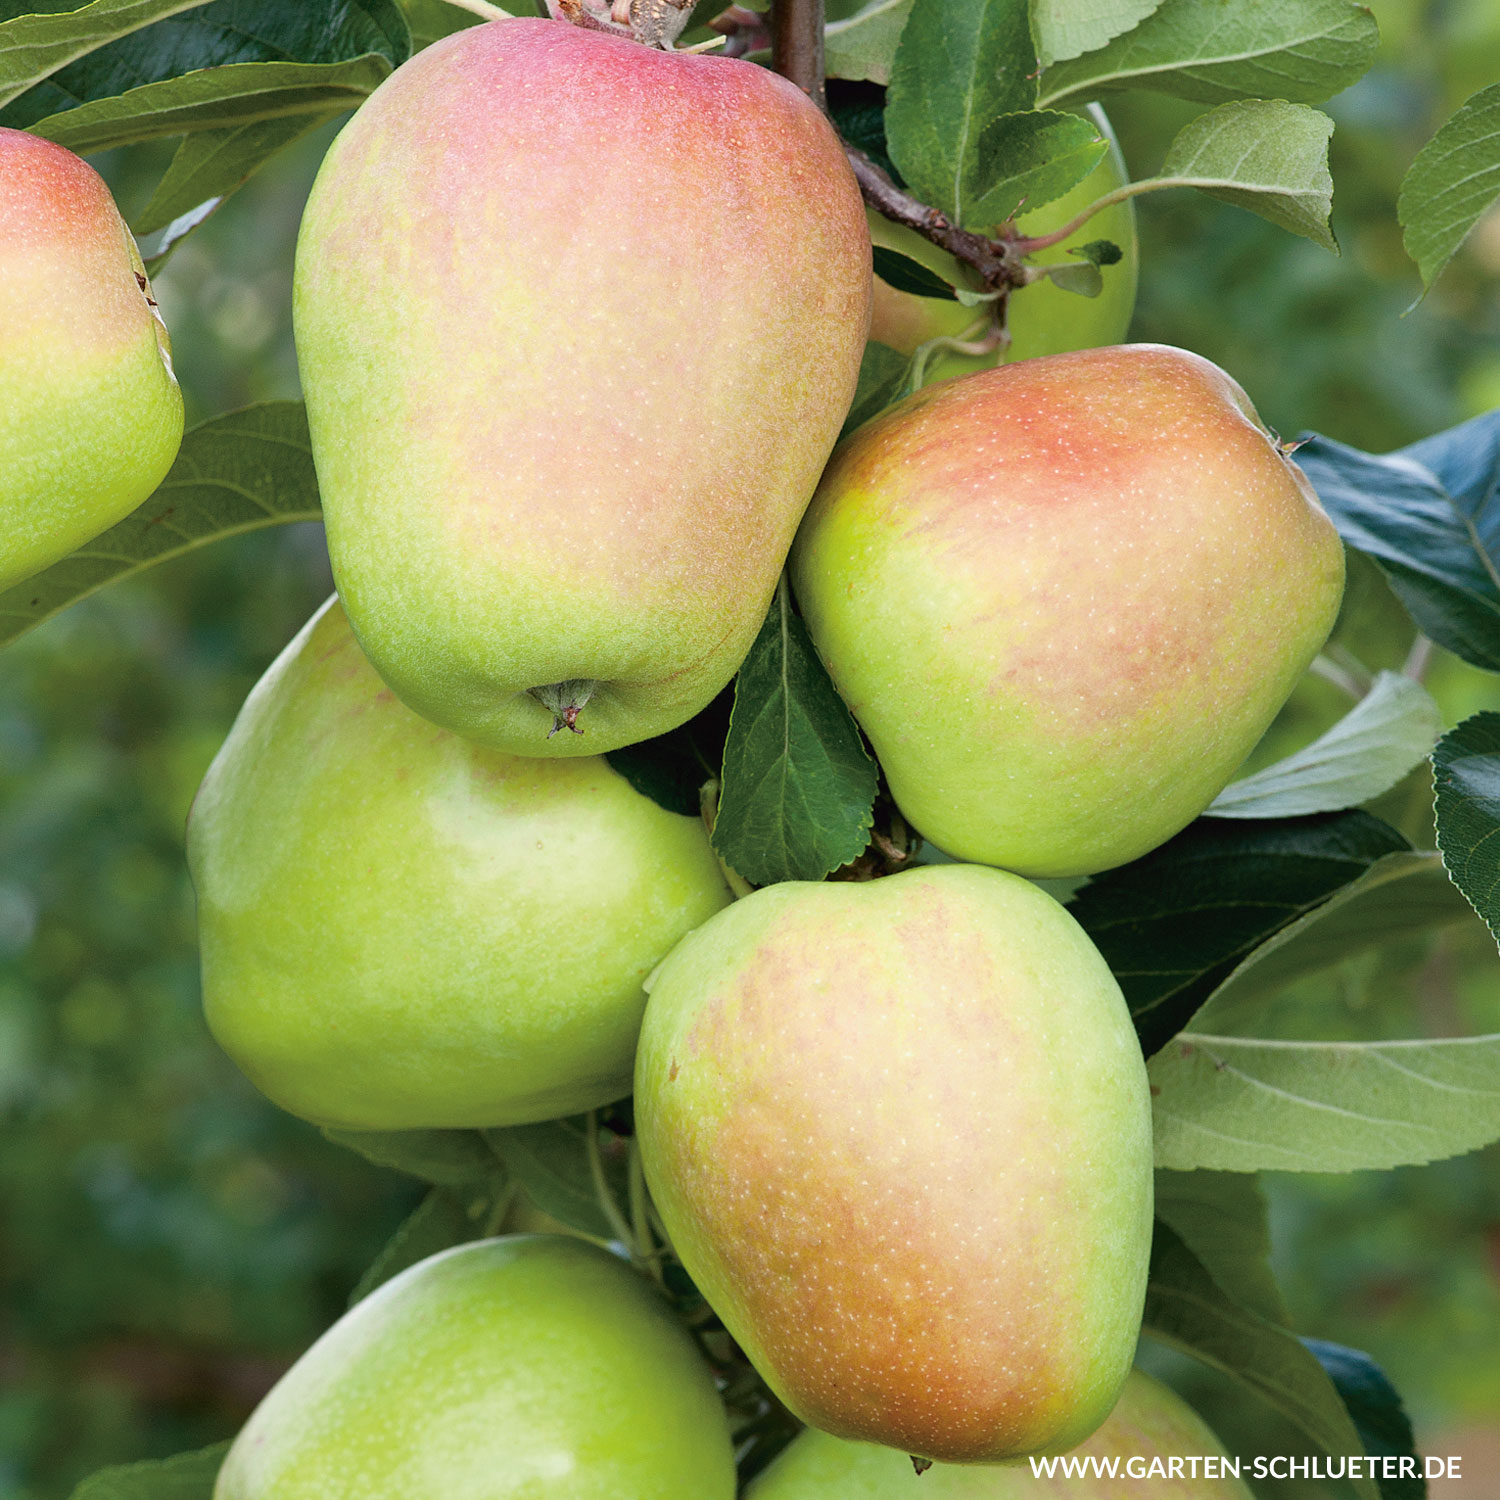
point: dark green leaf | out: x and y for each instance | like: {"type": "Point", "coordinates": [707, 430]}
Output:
{"type": "Point", "coordinates": [437, 1223]}
{"type": "Point", "coordinates": [882, 378]}
{"type": "Point", "coordinates": [673, 768]}
{"type": "Point", "coordinates": [858, 112]}
{"type": "Point", "coordinates": [798, 793]}
{"type": "Point", "coordinates": [908, 275]}
{"type": "Point", "coordinates": [1186, 1308]}
{"type": "Point", "coordinates": [1100, 252]}
{"type": "Point", "coordinates": [457, 1159]}
{"type": "Point", "coordinates": [1174, 925]}
{"type": "Point", "coordinates": [551, 1163]}
{"type": "Point", "coordinates": [1304, 51]}
{"type": "Point", "coordinates": [1376, 1408]}
{"type": "Point", "coordinates": [32, 47]}
{"type": "Point", "coordinates": [1221, 1217]}
{"type": "Point", "coordinates": [1466, 461]}
{"type": "Point", "coordinates": [431, 20]}
{"type": "Point", "coordinates": [863, 46]}
{"type": "Point", "coordinates": [1453, 181]}
{"type": "Point", "coordinates": [1438, 550]}
{"type": "Point", "coordinates": [235, 473]}
{"type": "Point", "coordinates": [960, 63]}
{"type": "Point", "coordinates": [1063, 28]}
{"type": "Point", "coordinates": [188, 1476]}
{"type": "Point", "coordinates": [1466, 769]}
{"type": "Point", "coordinates": [1028, 159]}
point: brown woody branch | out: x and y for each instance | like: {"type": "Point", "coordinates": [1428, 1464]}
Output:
{"type": "Point", "coordinates": [797, 46]}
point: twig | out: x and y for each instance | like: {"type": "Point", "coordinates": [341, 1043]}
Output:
{"type": "Point", "coordinates": [617, 1222]}
{"type": "Point", "coordinates": [481, 8]}
{"type": "Point", "coordinates": [1419, 658]}
{"type": "Point", "coordinates": [797, 46]}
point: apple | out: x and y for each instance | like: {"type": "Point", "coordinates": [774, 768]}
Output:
{"type": "Point", "coordinates": [1041, 318]}
{"type": "Point", "coordinates": [578, 324]}
{"type": "Point", "coordinates": [899, 1133]}
{"type": "Point", "coordinates": [527, 1368]}
{"type": "Point", "coordinates": [1065, 598]}
{"type": "Point", "coordinates": [92, 416]}
{"type": "Point", "coordinates": [1151, 1424]}
{"type": "Point", "coordinates": [401, 929]}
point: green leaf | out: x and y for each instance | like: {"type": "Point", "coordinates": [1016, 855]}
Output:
{"type": "Point", "coordinates": [1388, 732]}
{"type": "Point", "coordinates": [960, 64]}
{"type": "Point", "coordinates": [863, 46]}
{"type": "Point", "coordinates": [1399, 897]}
{"type": "Point", "coordinates": [33, 47]}
{"type": "Point", "coordinates": [882, 378]}
{"type": "Point", "coordinates": [1100, 252]}
{"type": "Point", "coordinates": [1177, 923]}
{"type": "Point", "coordinates": [1222, 1218]}
{"type": "Point", "coordinates": [908, 275]}
{"type": "Point", "coordinates": [551, 1164]}
{"type": "Point", "coordinates": [458, 1159]}
{"type": "Point", "coordinates": [211, 164]}
{"type": "Point", "coordinates": [798, 792]}
{"type": "Point", "coordinates": [431, 20]}
{"type": "Point", "coordinates": [217, 99]}
{"type": "Point", "coordinates": [1379, 1417]}
{"type": "Point", "coordinates": [1251, 1104]}
{"type": "Point", "coordinates": [1262, 154]}
{"type": "Point", "coordinates": [1438, 547]}
{"type": "Point", "coordinates": [1029, 159]}
{"type": "Point", "coordinates": [1081, 277]}
{"type": "Point", "coordinates": [188, 1476]}
{"type": "Point", "coordinates": [1454, 179]}
{"type": "Point", "coordinates": [1062, 29]}
{"type": "Point", "coordinates": [1304, 51]}
{"type": "Point", "coordinates": [673, 768]}
{"type": "Point", "coordinates": [436, 1224]}
{"type": "Point", "coordinates": [235, 473]}
{"type": "Point", "coordinates": [1186, 1308]}
{"type": "Point", "coordinates": [1466, 771]}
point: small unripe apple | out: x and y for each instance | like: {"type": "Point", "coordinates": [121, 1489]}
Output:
{"type": "Point", "coordinates": [900, 1134]}
{"type": "Point", "coordinates": [528, 1368]}
{"type": "Point", "coordinates": [1157, 1445]}
{"type": "Point", "coordinates": [1065, 598]}
{"type": "Point", "coordinates": [90, 416]}
{"type": "Point", "coordinates": [401, 929]}
{"type": "Point", "coordinates": [1041, 318]}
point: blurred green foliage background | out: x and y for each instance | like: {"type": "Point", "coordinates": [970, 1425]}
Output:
{"type": "Point", "coordinates": [169, 1241]}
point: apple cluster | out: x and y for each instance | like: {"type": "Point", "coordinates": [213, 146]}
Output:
{"type": "Point", "coordinates": [579, 323]}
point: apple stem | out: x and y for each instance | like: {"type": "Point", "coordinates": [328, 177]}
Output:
{"type": "Point", "coordinates": [481, 8]}
{"type": "Point", "coordinates": [797, 46]}
{"type": "Point", "coordinates": [646, 1251]}
{"type": "Point", "coordinates": [618, 1226]}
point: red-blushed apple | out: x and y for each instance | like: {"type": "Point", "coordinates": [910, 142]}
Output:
{"type": "Point", "coordinates": [1040, 318]}
{"type": "Point", "coordinates": [533, 1367]}
{"type": "Point", "coordinates": [91, 416]}
{"type": "Point", "coordinates": [401, 929]}
{"type": "Point", "coordinates": [578, 323]}
{"type": "Point", "coordinates": [1065, 598]}
{"type": "Point", "coordinates": [899, 1133]}
{"type": "Point", "coordinates": [1153, 1447]}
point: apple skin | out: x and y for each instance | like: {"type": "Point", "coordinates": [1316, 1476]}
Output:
{"type": "Point", "coordinates": [92, 416]}
{"type": "Point", "coordinates": [401, 929]}
{"type": "Point", "coordinates": [899, 1133]}
{"type": "Point", "coordinates": [527, 1368]}
{"type": "Point", "coordinates": [1150, 1422]}
{"type": "Point", "coordinates": [1065, 598]}
{"type": "Point", "coordinates": [1041, 318]}
{"type": "Point", "coordinates": [622, 298]}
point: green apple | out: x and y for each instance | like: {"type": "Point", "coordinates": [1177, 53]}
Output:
{"type": "Point", "coordinates": [1065, 598]}
{"type": "Point", "coordinates": [528, 1368]}
{"type": "Point", "coordinates": [91, 417]}
{"type": "Point", "coordinates": [1041, 318]}
{"type": "Point", "coordinates": [401, 929]}
{"type": "Point", "coordinates": [1150, 1431]}
{"type": "Point", "coordinates": [899, 1133]}
{"type": "Point", "coordinates": [578, 323]}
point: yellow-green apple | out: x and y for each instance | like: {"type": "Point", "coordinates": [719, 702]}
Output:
{"type": "Point", "coordinates": [533, 1367]}
{"type": "Point", "coordinates": [578, 323]}
{"type": "Point", "coordinates": [1065, 598]}
{"type": "Point", "coordinates": [91, 416]}
{"type": "Point", "coordinates": [402, 929]}
{"type": "Point", "coordinates": [899, 1132]}
{"type": "Point", "coordinates": [1153, 1447]}
{"type": "Point", "coordinates": [1041, 318]}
